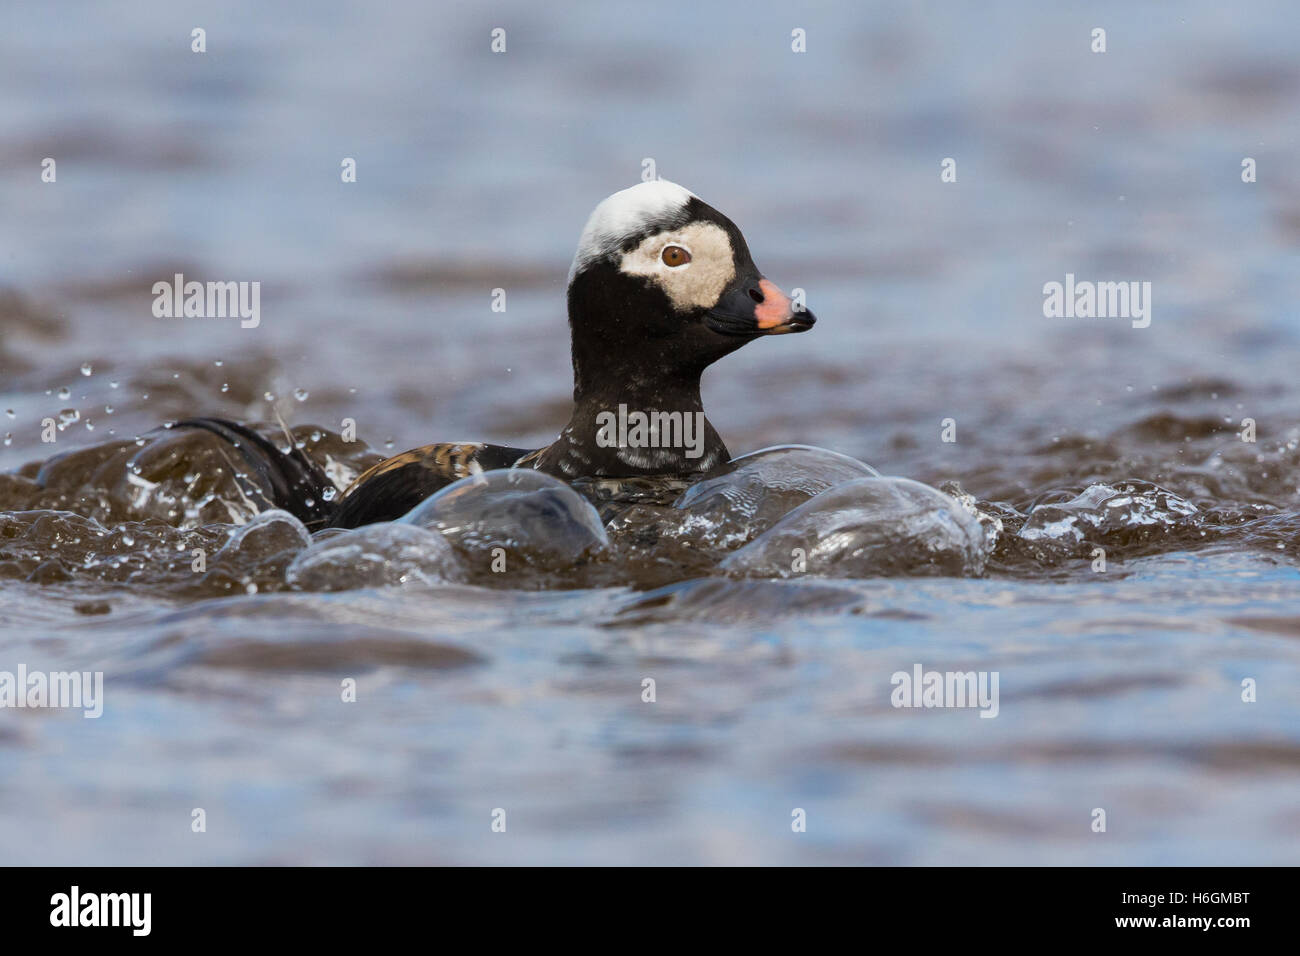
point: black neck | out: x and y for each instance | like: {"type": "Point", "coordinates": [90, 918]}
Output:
{"type": "Point", "coordinates": [633, 356]}
{"type": "Point", "coordinates": [602, 439]}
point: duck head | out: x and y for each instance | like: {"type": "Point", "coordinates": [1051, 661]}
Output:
{"type": "Point", "coordinates": [662, 286]}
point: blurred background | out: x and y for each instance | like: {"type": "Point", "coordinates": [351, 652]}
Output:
{"type": "Point", "coordinates": [476, 171]}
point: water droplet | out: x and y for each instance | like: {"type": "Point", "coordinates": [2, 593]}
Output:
{"type": "Point", "coordinates": [329, 494]}
{"type": "Point", "coordinates": [127, 539]}
{"type": "Point", "coordinates": [225, 386]}
{"type": "Point", "coordinates": [65, 393]}
{"type": "Point", "coordinates": [87, 369]}
{"type": "Point", "coordinates": [268, 396]}
{"type": "Point", "coordinates": [9, 439]}
{"type": "Point", "coordinates": [67, 417]}
{"type": "Point", "coordinates": [9, 412]}
{"type": "Point", "coordinates": [112, 384]}
{"type": "Point", "coordinates": [108, 409]}
{"type": "Point", "coordinates": [218, 363]}
{"type": "Point", "coordinates": [388, 443]}
{"type": "Point", "coordinates": [300, 394]}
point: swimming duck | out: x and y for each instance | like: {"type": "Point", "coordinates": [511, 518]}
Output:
{"type": "Point", "coordinates": [662, 286]}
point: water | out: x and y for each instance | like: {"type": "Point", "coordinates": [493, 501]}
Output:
{"type": "Point", "coordinates": [1119, 689]}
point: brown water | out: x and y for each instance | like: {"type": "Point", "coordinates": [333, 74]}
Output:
{"type": "Point", "coordinates": [1119, 689]}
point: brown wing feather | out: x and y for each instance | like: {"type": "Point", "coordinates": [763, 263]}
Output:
{"type": "Point", "coordinates": [393, 487]}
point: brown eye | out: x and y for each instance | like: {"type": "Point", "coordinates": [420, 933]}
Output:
{"type": "Point", "coordinates": [675, 256]}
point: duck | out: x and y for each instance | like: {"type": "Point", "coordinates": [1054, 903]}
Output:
{"type": "Point", "coordinates": [662, 285]}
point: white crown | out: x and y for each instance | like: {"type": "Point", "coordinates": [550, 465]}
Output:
{"type": "Point", "coordinates": [623, 215]}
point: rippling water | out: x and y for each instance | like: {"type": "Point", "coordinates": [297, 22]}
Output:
{"type": "Point", "coordinates": [1119, 690]}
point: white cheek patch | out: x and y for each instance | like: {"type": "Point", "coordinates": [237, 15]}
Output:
{"type": "Point", "coordinates": [699, 283]}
